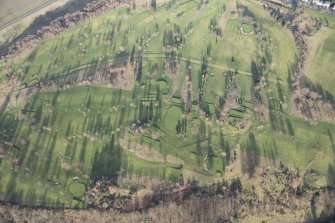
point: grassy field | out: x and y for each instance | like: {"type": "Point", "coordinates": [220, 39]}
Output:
{"type": "Point", "coordinates": [310, 145]}
{"type": "Point", "coordinates": [81, 133]}
{"type": "Point", "coordinates": [63, 144]}
{"type": "Point", "coordinates": [90, 37]}
{"type": "Point", "coordinates": [12, 9]}
{"type": "Point", "coordinates": [325, 18]}
{"type": "Point", "coordinates": [319, 67]}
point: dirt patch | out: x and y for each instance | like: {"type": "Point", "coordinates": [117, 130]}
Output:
{"type": "Point", "coordinates": [186, 92]}
{"type": "Point", "coordinates": [172, 66]}
{"type": "Point", "coordinates": [141, 151]}
{"type": "Point", "coordinates": [112, 77]}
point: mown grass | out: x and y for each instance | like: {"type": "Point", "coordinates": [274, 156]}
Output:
{"type": "Point", "coordinates": [322, 67]}
{"type": "Point", "coordinates": [55, 166]}
{"type": "Point", "coordinates": [74, 124]}
{"type": "Point", "coordinates": [86, 42]}
{"type": "Point", "coordinates": [308, 145]}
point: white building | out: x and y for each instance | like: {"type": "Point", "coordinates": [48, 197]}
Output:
{"type": "Point", "coordinates": [321, 3]}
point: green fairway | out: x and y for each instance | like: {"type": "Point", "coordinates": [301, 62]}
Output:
{"type": "Point", "coordinates": [321, 68]}
{"type": "Point", "coordinates": [158, 93]}
{"type": "Point", "coordinates": [77, 189]}
{"type": "Point", "coordinates": [105, 37]}
{"type": "Point", "coordinates": [309, 145]}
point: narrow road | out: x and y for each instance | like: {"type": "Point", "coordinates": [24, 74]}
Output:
{"type": "Point", "coordinates": [26, 14]}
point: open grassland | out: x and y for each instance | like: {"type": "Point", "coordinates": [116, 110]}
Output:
{"type": "Point", "coordinates": [325, 18]}
{"type": "Point", "coordinates": [320, 65]}
{"type": "Point", "coordinates": [91, 42]}
{"type": "Point", "coordinates": [10, 10]}
{"type": "Point", "coordinates": [164, 94]}
{"type": "Point", "coordinates": [311, 143]}
{"type": "Point", "coordinates": [280, 41]}
{"type": "Point", "coordinates": [72, 127]}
